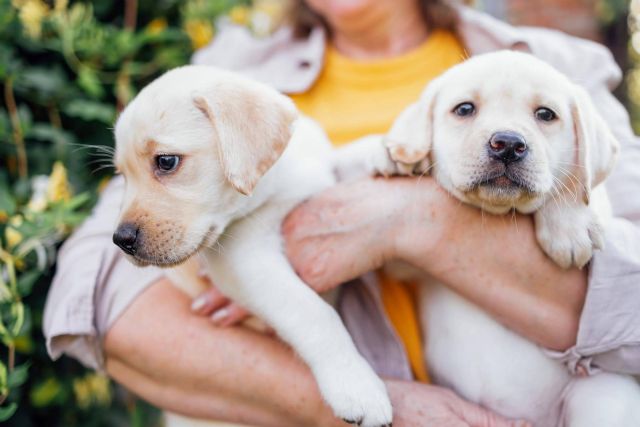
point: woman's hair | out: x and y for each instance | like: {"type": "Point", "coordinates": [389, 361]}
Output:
{"type": "Point", "coordinates": [436, 14]}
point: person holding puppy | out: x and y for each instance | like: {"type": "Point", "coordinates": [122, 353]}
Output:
{"type": "Point", "coordinates": [353, 66]}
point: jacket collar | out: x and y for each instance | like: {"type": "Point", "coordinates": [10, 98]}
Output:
{"type": "Point", "coordinates": [293, 65]}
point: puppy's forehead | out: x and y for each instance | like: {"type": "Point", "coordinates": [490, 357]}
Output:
{"type": "Point", "coordinates": [504, 75]}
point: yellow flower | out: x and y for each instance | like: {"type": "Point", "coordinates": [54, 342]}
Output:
{"type": "Point", "coordinates": [58, 189]}
{"type": "Point", "coordinates": [37, 204]}
{"type": "Point", "coordinates": [32, 13]}
{"type": "Point", "coordinates": [60, 5]}
{"type": "Point", "coordinates": [200, 32]}
{"type": "Point", "coordinates": [239, 15]}
{"type": "Point", "coordinates": [157, 26]}
{"type": "Point", "coordinates": [16, 220]}
{"type": "Point", "coordinates": [12, 236]}
{"type": "Point", "coordinates": [24, 344]}
{"type": "Point", "coordinates": [3, 216]}
{"type": "Point", "coordinates": [92, 389]}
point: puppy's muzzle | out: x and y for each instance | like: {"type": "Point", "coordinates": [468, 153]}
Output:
{"type": "Point", "coordinates": [507, 147]}
{"type": "Point", "coordinates": [126, 237]}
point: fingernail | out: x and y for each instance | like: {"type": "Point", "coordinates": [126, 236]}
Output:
{"type": "Point", "coordinates": [219, 315]}
{"type": "Point", "coordinates": [199, 302]}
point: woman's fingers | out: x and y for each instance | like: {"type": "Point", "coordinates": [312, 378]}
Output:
{"type": "Point", "coordinates": [229, 315]}
{"type": "Point", "coordinates": [209, 301]}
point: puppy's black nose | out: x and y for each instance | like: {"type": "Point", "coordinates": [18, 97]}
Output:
{"type": "Point", "coordinates": [507, 147]}
{"type": "Point", "coordinates": [125, 237]}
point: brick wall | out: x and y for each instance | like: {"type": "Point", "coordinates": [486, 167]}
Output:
{"type": "Point", "coordinates": [577, 17]}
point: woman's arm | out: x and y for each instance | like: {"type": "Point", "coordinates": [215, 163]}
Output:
{"type": "Point", "coordinates": [182, 363]}
{"type": "Point", "coordinates": [494, 261]}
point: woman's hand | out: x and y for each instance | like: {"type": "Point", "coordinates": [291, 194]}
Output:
{"type": "Point", "coordinates": [356, 227]}
{"type": "Point", "coordinates": [220, 309]}
{"type": "Point", "coordinates": [420, 405]}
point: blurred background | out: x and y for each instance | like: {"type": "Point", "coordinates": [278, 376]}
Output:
{"type": "Point", "coordinates": [66, 68]}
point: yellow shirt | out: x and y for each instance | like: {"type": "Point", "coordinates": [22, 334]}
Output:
{"type": "Point", "coordinates": [352, 99]}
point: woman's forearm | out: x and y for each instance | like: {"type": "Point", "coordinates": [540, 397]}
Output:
{"type": "Point", "coordinates": [182, 363]}
{"type": "Point", "coordinates": [493, 261]}
{"type": "Point", "coordinates": [496, 262]}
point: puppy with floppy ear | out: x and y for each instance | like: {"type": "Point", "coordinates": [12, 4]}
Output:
{"type": "Point", "coordinates": [505, 131]}
{"type": "Point", "coordinates": [255, 129]}
{"type": "Point", "coordinates": [207, 172]}
{"type": "Point", "coordinates": [466, 136]}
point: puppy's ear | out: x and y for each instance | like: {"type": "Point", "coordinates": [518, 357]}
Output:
{"type": "Point", "coordinates": [597, 147]}
{"type": "Point", "coordinates": [252, 124]}
{"type": "Point", "coordinates": [410, 138]}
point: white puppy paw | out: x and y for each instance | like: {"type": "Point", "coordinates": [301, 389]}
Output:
{"type": "Point", "coordinates": [365, 157]}
{"type": "Point", "coordinates": [568, 234]}
{"type": "Point", "coordinates": [409, 160]}
{"type": "Point", "coordinates": [356, 394]}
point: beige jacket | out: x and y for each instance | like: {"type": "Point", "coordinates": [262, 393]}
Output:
{"type": "Point", "coordinates": [94, 284]}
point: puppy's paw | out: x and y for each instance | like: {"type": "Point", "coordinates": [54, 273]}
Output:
{"type": "Point", "coordinates": [408, 160]}
{"type": "Point", "coordinates": [367, 156]}
{"type": "Point", "coordinates": [356, 394]}
{"type": "Point", "coordinates": [569, 234]}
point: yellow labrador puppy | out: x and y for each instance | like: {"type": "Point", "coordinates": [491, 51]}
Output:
{"type": "Point", "coordinates": [203, 154]}
{"type": "Point", "coordinates": [505, 131]}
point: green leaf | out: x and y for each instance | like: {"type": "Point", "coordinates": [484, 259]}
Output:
{"type": "Point", "coordinates": [26, 281]}
{"type": "Point", "coordinates": [46, 392]}
{"type": "Point", "coordinates": [88, 80]}
{"type": "Point", "coordinates": [46, 82]}
{"type": "Point", "coordinates": [18, 376]}
{"type": "Point", "coordinates": [91, 110]}
{"type": "Point", "coordinates": [7, 412]}
{"type": "Point", "coordinates": [3, 379]}
{"type": "Point", "coordinates": [7, 202]}
{"type": "Point", "coordinates": [47, 132]}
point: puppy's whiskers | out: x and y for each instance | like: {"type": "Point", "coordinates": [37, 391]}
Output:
{"type": "Point", "coordinates": [514, 217]}
{"type": "Point", "coordinates": [574, 179]}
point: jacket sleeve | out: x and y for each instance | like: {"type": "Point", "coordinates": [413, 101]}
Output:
{"type": "Point", "coordinates": [93, 285]}
{"type": "Point", "coordinates": [609, 332]}
{"type": "Point", "coordinates": [609, 329]}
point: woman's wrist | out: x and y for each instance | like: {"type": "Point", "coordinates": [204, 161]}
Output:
{"type": "Point", "coordinates": [420, 223]}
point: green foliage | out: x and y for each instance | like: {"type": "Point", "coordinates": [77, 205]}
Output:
{"type": "Point", "coordinates": [66, 68]}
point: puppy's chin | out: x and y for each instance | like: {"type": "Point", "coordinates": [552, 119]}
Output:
{"type": "Point", "coordinates": [500, 194]}
{"type": "Point", "coordinates": [173, 257]}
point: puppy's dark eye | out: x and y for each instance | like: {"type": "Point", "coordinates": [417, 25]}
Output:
{"type": "Point", "coordinates": [465, 109]}
{"type": "Point", "coordinates": [167, 162]}
{"type": "Point", "coordinates": [545, 114]}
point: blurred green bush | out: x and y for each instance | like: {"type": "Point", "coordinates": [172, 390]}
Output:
{"type": "Point", "coordinates": [66, 69]}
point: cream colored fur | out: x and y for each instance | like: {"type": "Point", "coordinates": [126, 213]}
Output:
{"type": "Point", "coordinates": [225, 202]}
{"type": "Point", "coordinates": [559, 183]}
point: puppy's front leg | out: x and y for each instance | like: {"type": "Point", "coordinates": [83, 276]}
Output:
{"type": "Point", "coordinates": [255, 273]}
{"type": "Point", "coordinates": [568, 232]}
{"type": "Point", "coordinates": [367, 156]}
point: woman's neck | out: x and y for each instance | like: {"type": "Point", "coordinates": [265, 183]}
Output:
{"type": "Point", "coordinates": [380, 34]}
